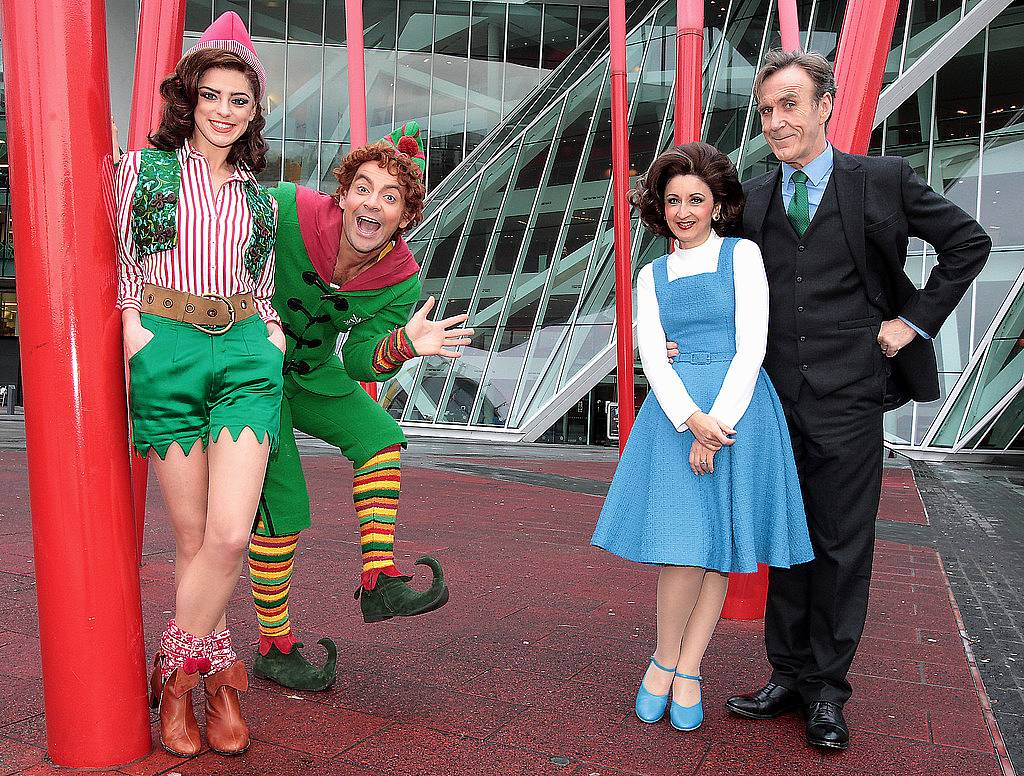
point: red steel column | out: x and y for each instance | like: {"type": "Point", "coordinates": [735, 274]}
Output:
{"type": "Point", "coordinates": [620, 188]}
{"type": "Point", "coordinates": [356, 93]}
{"type": "Point", "coordinates": [860, 66]}
{"type": "Point", "coordinates": [789, 25]}
{"type": "Point", "coordinates": [87, 582]}
{"type": "Point", "coordinates": [689, 67]}
{"type": "Point", "coordinates": [161, 29]}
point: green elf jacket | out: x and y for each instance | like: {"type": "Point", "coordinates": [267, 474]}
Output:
{"type": "Point", "coordinates": [322, 395]}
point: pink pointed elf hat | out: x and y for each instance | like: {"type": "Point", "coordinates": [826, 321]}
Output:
{"type": "Point", "coordinates": [229, 33]}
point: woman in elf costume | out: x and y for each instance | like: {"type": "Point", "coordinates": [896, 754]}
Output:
{"type": "Point", "coordinates": [196, 278]}
{"type": "Point", "coordinates": [342, 266]}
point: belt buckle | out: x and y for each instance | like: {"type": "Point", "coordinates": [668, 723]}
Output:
{"type": "Point", "coordinates": [701, 358]}
{"type": "Point", "coordinates": [231, 316]}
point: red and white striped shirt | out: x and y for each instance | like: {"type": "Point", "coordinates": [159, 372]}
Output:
{"type": "Point", "coordinates": [212, 235]}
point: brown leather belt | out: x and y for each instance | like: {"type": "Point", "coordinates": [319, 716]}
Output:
{"type": "Point", "coordinates": [211, 313]}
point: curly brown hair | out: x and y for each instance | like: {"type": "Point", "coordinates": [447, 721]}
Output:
{"type": "Point", "coordinates": [396, 163]}
{"type": "Point", "coordinates": [180, 91]}
{"type": "Point", "coordinates": [707, 163]}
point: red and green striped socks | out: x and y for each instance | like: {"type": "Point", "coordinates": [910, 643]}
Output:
{"type": "Point", "coordinates": [271, 559]}
{"type": "Point", "coordinates": [375, 489]}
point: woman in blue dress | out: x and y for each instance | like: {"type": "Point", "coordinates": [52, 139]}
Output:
{"type": "Point", "coordinates": [707, 483]}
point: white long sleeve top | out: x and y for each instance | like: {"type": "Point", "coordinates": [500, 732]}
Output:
{"type": "Point", "coordinates": [751, 287]}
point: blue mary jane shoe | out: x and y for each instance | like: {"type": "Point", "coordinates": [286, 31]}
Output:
{"type": "Point", "coordinates": [650, 708]}
{"type": "Point", "coordinates": [687, 717]}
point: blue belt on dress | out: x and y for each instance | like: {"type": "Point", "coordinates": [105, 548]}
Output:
{"type": "Point", "coordinates": [702, 357]}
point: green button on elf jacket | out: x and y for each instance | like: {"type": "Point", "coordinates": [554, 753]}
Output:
{"type": "Point", "coordinates": [314, 313]}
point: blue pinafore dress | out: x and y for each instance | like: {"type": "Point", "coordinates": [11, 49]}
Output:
{"type": "Point", "coordinates": [749, 510]}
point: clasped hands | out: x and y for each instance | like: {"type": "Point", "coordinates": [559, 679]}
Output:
{"type": "Point", "coordinates": [709, 434]}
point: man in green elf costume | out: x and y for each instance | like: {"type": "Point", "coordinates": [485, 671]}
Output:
{"type": "Point", "coordinates": [342, 266]}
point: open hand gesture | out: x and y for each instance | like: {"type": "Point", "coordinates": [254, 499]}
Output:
{"type": "Point", "coordinates": [432, 338]}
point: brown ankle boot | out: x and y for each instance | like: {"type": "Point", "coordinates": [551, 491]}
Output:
{"type": "Point", "coordinates": [179, 731]}
{"type": "Point", "coordinates": [226, 731]}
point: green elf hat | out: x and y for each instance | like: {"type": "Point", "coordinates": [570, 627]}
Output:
{"type": "Point", "coordinates": [406, 140]}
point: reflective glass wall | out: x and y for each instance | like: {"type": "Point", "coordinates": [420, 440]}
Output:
{"type": "Point", "coordinates": [519, 236]}
{"type": "Point", "coordinates": [456, 66]}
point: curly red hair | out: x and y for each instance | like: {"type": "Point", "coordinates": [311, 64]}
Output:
{"type": "Point", "coordinates": [396, 163]}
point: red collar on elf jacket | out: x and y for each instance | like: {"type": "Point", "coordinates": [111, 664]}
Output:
{"type": "Point", "coordinates": [320, 221]}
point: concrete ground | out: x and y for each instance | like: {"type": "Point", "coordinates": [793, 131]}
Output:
{"type": "Point", "coordinates": [532, 667]}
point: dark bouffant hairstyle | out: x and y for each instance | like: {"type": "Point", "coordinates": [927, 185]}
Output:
{"type": "Point", "coordinates": [180, 91]}
{"type": "Point", "coordinates": [397, 164]}
{"type": "Point", "coordinates": [707, 163]}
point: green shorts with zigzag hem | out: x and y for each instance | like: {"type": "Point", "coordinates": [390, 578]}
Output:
{"type": "Point", "coordinates": [185, 384]}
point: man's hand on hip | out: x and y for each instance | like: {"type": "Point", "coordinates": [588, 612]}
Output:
{"type": "Point", "coordinates": [894, 336]}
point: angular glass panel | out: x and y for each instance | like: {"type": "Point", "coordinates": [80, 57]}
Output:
{"type": "Point", "coordinates": [268, 18]}
{"type": "Point", "coordinates": [334, 125]}
{"type": "Point", "coordinates": [560, 30]}
{"type": "Point", "coordinates": [947, 433]}
{"type": "Point", "coordinates": [929, 21]}
{"type": "Point", "coordinates": [334, 22]}
{"type": "Point", "coordinates": [907, 127]}
{"type": "Point", "coordinates": [426, 393]}
{"type": "Point", "coordinates": [380, 86]}
{"type": "Point", "coordinates": [991, 288]}
{"type": "Point", "coordinates": [380, 20]}
{"type": "Point", "coordinates": [451, 27]}
{"type": "Point", "coordinates": [546, 355]}
{"type": "Point", "coordinates": [1006, 427]}
{"type": "Point", "coordinates": [1002, 371]}
{"type": "Point", "coordinates": [271, 174]}
{"type": "Point", "coordinates": [484, 108]}
{"type": "Point", "coordinates": [586, 344]}
{"type": "Point", "coordinates": [199, 15]}
{"type": "Point", "coordinates": [958, 93]}
{"type": "Point", "coordinates": [331, 155]}
{"type": "Point", "coordinates": [302, 162]}
{"type": "Point", "coordinates": [272, 56]}
{"type": "Point", "coordinates": [415, 25]}
{"type": "Point", "coordinates": [1004, 88]}
{"type": "Point", "coordinates": [448, 115]}
{"type": "Point", "coordinates": [1003, 189]}
{"type": "Point", "coordinates": [523, 46]}
{"type": "Point", "coordinates": [924, 414]}
{"type": "Point", "coordinates": [305, 18]}
{"type": "Point", "coordinates": [955, 173]}
{"type": "Point", "coordinates": [412, 90]}
{"type": "Point", "coordinates": [439, 260]}
{"type": "Point", "coordinates": [487, 33]}
{"type": "Point", "coordinates": [305, 69]}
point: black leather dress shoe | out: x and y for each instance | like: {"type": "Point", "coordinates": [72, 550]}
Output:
{"type": "Point", "coordinates": [769, 702]}
{"type": "Point", "coordinates": [826, 727]}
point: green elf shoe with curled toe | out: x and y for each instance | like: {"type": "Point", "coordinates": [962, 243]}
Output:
{"type": "Point", "coordinates": [292, 670]}
{"type": "Point", "coordinates": [394, 597]}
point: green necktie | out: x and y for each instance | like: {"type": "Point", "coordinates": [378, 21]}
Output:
{"type": "Point", "coordinates": [799, 212]}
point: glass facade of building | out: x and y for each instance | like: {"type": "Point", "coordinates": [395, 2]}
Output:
{"type": "Point", "coordinates": [520, 235]}
{"type": "Point", "coordinates": [514, 103]}
{"type": "Point", "coordinates": [455, 66]}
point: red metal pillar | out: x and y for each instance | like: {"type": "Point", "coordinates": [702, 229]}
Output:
{"type": "Point", "coordinates": [620, 188]}
{"type": "Point", "coordinates": [789, 25]}
{"type": "Point", "coordinates": [161, 29]}
{"type": "Point", "coordinates": [87, 582]}
{"type": "Point", "coordinates": [860, 66]}
{"type": "Point", "coordinates": [356, 93]}
{"type": "Point", "coordinates": [689, 68]}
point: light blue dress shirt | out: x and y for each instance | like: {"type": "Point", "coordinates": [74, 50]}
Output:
{"type": "Point", "coordinates": [818, 171]}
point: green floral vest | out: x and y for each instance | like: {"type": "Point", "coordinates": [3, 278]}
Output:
{"type": "Point", "coordinates": [155, 209]}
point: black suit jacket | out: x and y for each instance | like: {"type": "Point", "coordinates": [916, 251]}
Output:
{"type": "Point", "coordinates": [883, 203]}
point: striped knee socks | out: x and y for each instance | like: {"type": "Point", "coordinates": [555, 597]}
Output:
{"type": "Point", "coordinates": [270, 572]}
{"type": "Point", "coordinates": [375, 489]}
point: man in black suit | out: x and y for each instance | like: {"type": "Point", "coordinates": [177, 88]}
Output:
{"type": "Point", "coordinates": [849, 336]}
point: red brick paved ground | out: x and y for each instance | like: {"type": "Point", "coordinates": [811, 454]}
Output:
{"type": "Point", "coordinates": [533, 665]}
